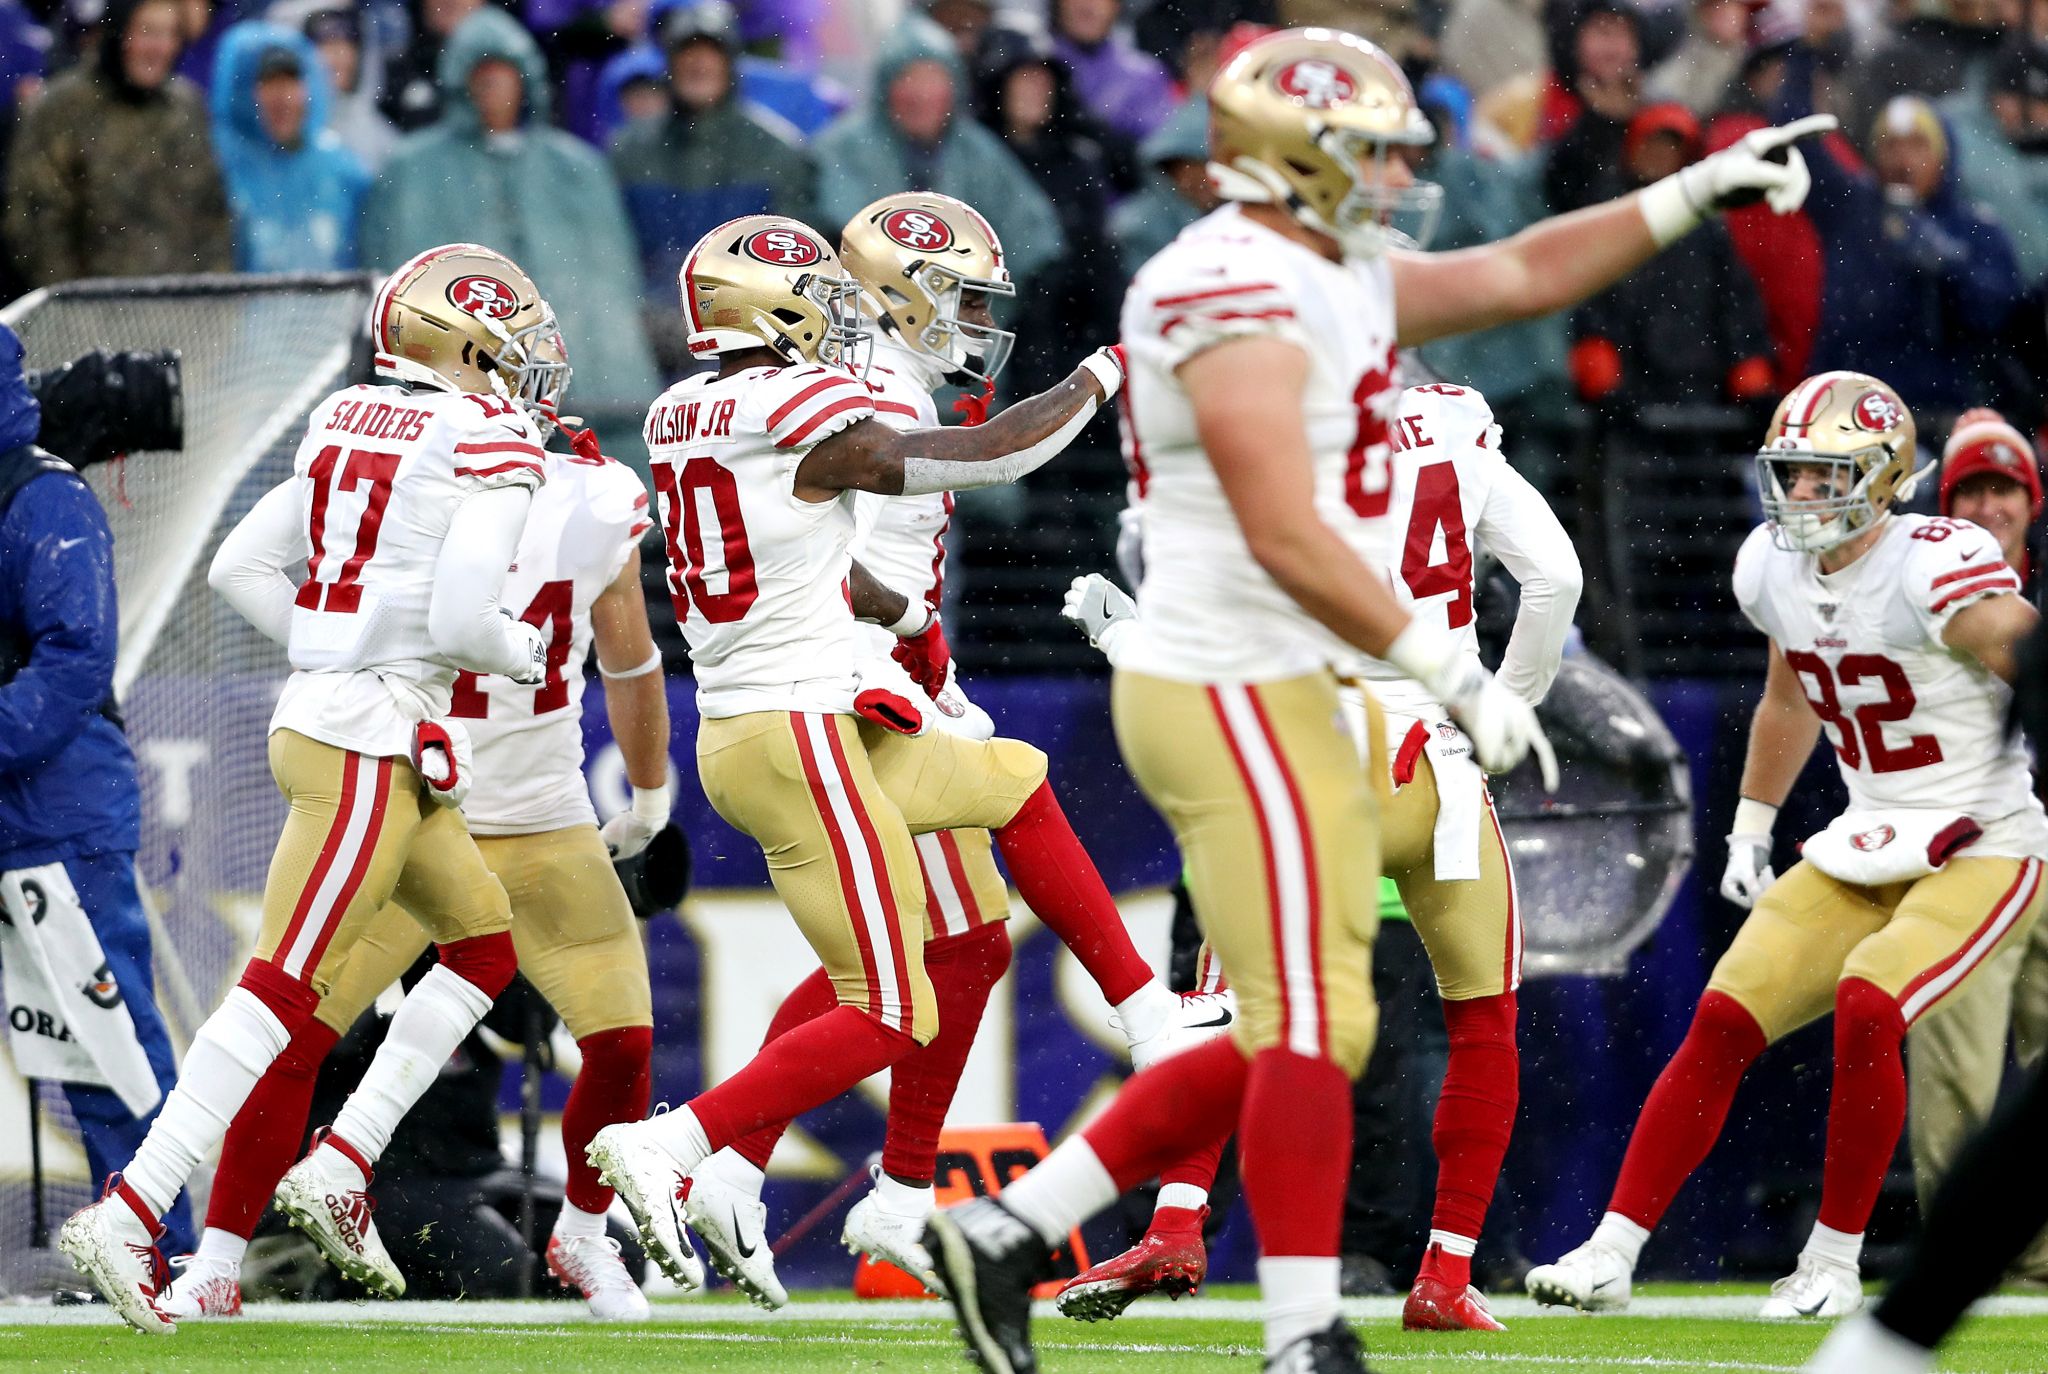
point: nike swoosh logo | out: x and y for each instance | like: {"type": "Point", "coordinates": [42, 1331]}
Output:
{"type": "Point", "coordinates": [1604, 1283]}
{"type": "Point", "coordinates": [746, 1250]}
{"type": "Point", "coordinates": [1814, 1310]}
{"type": "Point", "coordinates": [675, 1212]}
{"type": "Point", "coordinates": [1222, 1019]}
{"type": "Point", "coordinates": [63, 544]}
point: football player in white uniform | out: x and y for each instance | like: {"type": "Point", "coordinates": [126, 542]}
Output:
{"type": "Point", "coordinates": [407, 502]}
{"type": "Point", "coordinates": [1450, 494]}
{"type": "Point", "coordinates": [1261, 344]}
{"type": "Point", "coordinates": [1896, 633]}
{"type": "Point", "coordinates": [830, 767]}
{"type": "Point", "coordinates": [577, 579]}
{"type": "Point", "coordinates": [929, 266]}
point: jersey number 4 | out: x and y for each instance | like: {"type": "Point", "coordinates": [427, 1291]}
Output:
{"type": "Point", "coordinates": [682, 525]}
{"type": "Point", "coordinates": [331, 473]}
{"type": "Point", "coordinates": [1869, 719]}
{"type": "Point", "coordinates": [548, 612]}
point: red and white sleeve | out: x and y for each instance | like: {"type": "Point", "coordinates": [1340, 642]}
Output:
{"type": "Point", "coordinates": [814, 404]}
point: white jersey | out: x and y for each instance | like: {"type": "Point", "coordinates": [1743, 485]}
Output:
{"type": "Point", "coordinates": [1451, 493]}
{"type": "Point", "coordinates": [1914, 725]}
{"type": "Point", "coordinates": [757, 574]}
{"type": "Point", "coordinates": [1209, 612]}
{"type": "Point", "coordinates": [902, 539]}
{"type": "Point", "coordinates": [528, 766]}
{"type": "Point", "coordinates": [380, 475]}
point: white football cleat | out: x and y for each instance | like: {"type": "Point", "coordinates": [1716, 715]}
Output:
{"type": "Point", "coordinates": [648, 1181]}
{"type": "Point", "coordinates": [1815, 1289]}
{"type": "Point", "coordinates": [1592, 1278]}
{"type": "Point", "coordinates": [326, 1195]}
{"type": "Point", "coordinates": [1200, 1016]}
{"type": "Point", "coordinates": [591, 1265]}
{"type": "Point", "coordinates": [734, 1227]}
{"type": "Point", "coordinates": [113, 1244]}
{"type": "Point", "coordinates": [892, 1239]}
{"type": "Point", "coordinates": [203, 1288]}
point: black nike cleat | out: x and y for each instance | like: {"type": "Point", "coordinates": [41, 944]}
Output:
{"type": "Point", "coordinates": [987, 1262]}
{"type": "Point", "coordinates": [1333, 1350]}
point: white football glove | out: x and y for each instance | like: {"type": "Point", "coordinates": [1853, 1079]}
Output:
{"type": "Point", "coordinates": [441, 756]}
{"type": "Point", "coordinates": [534, 655]}
{"type": "Point", "coordinates": [1763, 165]}
{"type": "Point", "coordinates": [1101, 608]}
{"type": "Point", "coordinates": [1749, 853]}
{"type": "Point", "coordinates": [1502, 727]}
{"type": "Point", "coordinates": [633, 829]}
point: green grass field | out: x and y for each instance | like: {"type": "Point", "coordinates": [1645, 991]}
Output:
{"type": "Point", "coordinates": [1682, 1329]}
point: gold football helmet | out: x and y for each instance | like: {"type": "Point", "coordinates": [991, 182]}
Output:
{"type": "Point", "coordinates": [917, 253]}
{"type": "Point", "coordinates": [766, 281]}
{"type": "Point", "coordinates": [462, 317]}
{"type": "Point", "coordinates": [1858, 429]}
{"type": "Point", "coordinates": [1308, 119]}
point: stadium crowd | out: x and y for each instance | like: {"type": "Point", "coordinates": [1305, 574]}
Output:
{"type": "Point", "coordinates": [597, 141]}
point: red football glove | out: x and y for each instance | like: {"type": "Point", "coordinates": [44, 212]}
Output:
{"type": "Point", "coordinates": [890, 710]}
{"type": "Point", "coordinates": [925, 656]}
{"type": "Point", "coordinates": [973, 409]}
{"type": "Point", "coordinates": [441, 756]}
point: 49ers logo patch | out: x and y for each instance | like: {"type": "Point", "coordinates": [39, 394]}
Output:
{"type": "Point", "coordinates": [783, 248]}
{"type": "Point", "coordinates": [1877, 412]}
{"type": "Point", "coordinates": [1316, 83]}
{"type": "Point", "coordinates": [485, 296]}
{"type": "Point", "coordinates": [1870, 841]}
{"type": "Point", "coordinates": [919, 229]}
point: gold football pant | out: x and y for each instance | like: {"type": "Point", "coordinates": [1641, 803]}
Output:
{"type": "Point", "coordinates": [577, 940]}
{"type": "Point", "coordinates": [1918, 941]}
{"type": "Point", "coordinates": [1471, 928]}
{"type": "Point", "coordinates": [362, 832]}
{"type": "Point", "coordinates": [1279, 830]}
{"type": "Point", "coordinates": [963, 889]}
{"type": "Point", "coordinates": [833, 806]}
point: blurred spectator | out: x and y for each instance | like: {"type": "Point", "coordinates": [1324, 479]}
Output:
{"type": "Point", "coordinates": [1688, 325]}
{"type": "Point", "coordinates": [1604, 77]}
{"type": "Point", "coordinates": [967, 22]}
{"type": "Point", "coordinates": [2002, 145]}
{"type": "Point", "coordinates": [355, 70]}
{"type": "Point", "coordinates": [911, 133]}
{"type": "Point", "coordinates": [24, 53]}
{"type": "Point", "coordinates": [1128, 90]}
{"type": "Point", "coordinates": [1189, 35]}
{"type": "Point", "coordinates": [579, 37]}
{"type": "Point", "coordinates": [1938, 47]}
{"type": "Point", "coordinates": [1024, 95]}
{"type": "Point", "coordinates": [1707, 59]}
{"type": "Point", "coordinates": [112, 173]}
{"type": "Point", "coordinates": [795, 103]}
{"type": "Point", "coordinates": [1488, 43]}
{"type": "Point", "coordinates": [493, 171]}
{"type": "Point", "coordinates": [1178, 194]}
{"type": "Point", "coordinates": [412, 86]}
{"type": "Point", "coordinates": [1396, 26]}
{"type": "Point", "coordinates": [295, 192]}
{"type": "Point", "coordinates": [1917, 281]}
{"type": "Point", "coordinates": [704, 160]}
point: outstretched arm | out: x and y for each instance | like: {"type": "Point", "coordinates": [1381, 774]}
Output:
{"type": "Point", "coordinates": [870, 456]}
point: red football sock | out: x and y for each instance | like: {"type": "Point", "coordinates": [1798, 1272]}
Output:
{"type": "Point", "coordinates": [1194, 1098]}
{"type": "Point", "coordinates": [1167, 1221]}
{"type": "Point", "coordinates": [807, 1001]}
{"type": "Point", "coordinates": [1683, 1115]}
{"type": "Point", "coordinates": [1059, 883]}
{"type": "Point", "coordinates": [1446, 1268]}
{"type": "Point", "coordinates": [1294, 1150]}
{"type": "Point", "coordinates": [1868, 1108]}
{"type": "Point", "coordinates": [963, 969]}
{"type": "Point", "coordinates": [1476, 1113]}
{"type": "Point", "coordinates": [612, 1087]}
{"type": "Point", "coordinates": [793, 1073]}
{"type": "Point", "coordinates": [1198, 1168]}
{"type": "Point", "coordinates": [264, 1138]}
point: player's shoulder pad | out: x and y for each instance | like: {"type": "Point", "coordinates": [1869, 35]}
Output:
{"type": "Point", "coordinates": [494, 441]}
{"type": "Point", "coordinates": [1949, 562]}
{"type": "Point", "coordinates": [1753, 566]}
{"type": "Point", "coordinates": [807, 404]}
{"type": "Point", "coordinates": [1456, 417]}
{"type": "Point", "coordinates": [1209, 275]}
{"type": "Point", "coordinates": [619, 498]}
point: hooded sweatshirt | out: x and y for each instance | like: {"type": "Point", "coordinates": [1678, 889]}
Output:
{"type": "Point", "coordinates": [863, 156]}
{"type": "Point", "coordinates": [540, 196]}
{"type": "Point", "coordinates": [109, 180]}
{"type": "Point", "coordinates": [295, 209]}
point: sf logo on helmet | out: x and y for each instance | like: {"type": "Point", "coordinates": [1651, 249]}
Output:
{"type": "Point", "coordinates": [783, 248]}
{"type": "Point", "coordinates": [483, 296]}
{"type": "Point", "coordinates": [919, 229]}
{"type": "Point", "coordinates": [1316, 83]}
{"type": "Point", "coordinates": [1878, 412]}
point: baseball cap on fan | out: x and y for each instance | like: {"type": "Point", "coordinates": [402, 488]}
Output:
{"type": "Point", "coordinates": [1984, 441]}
